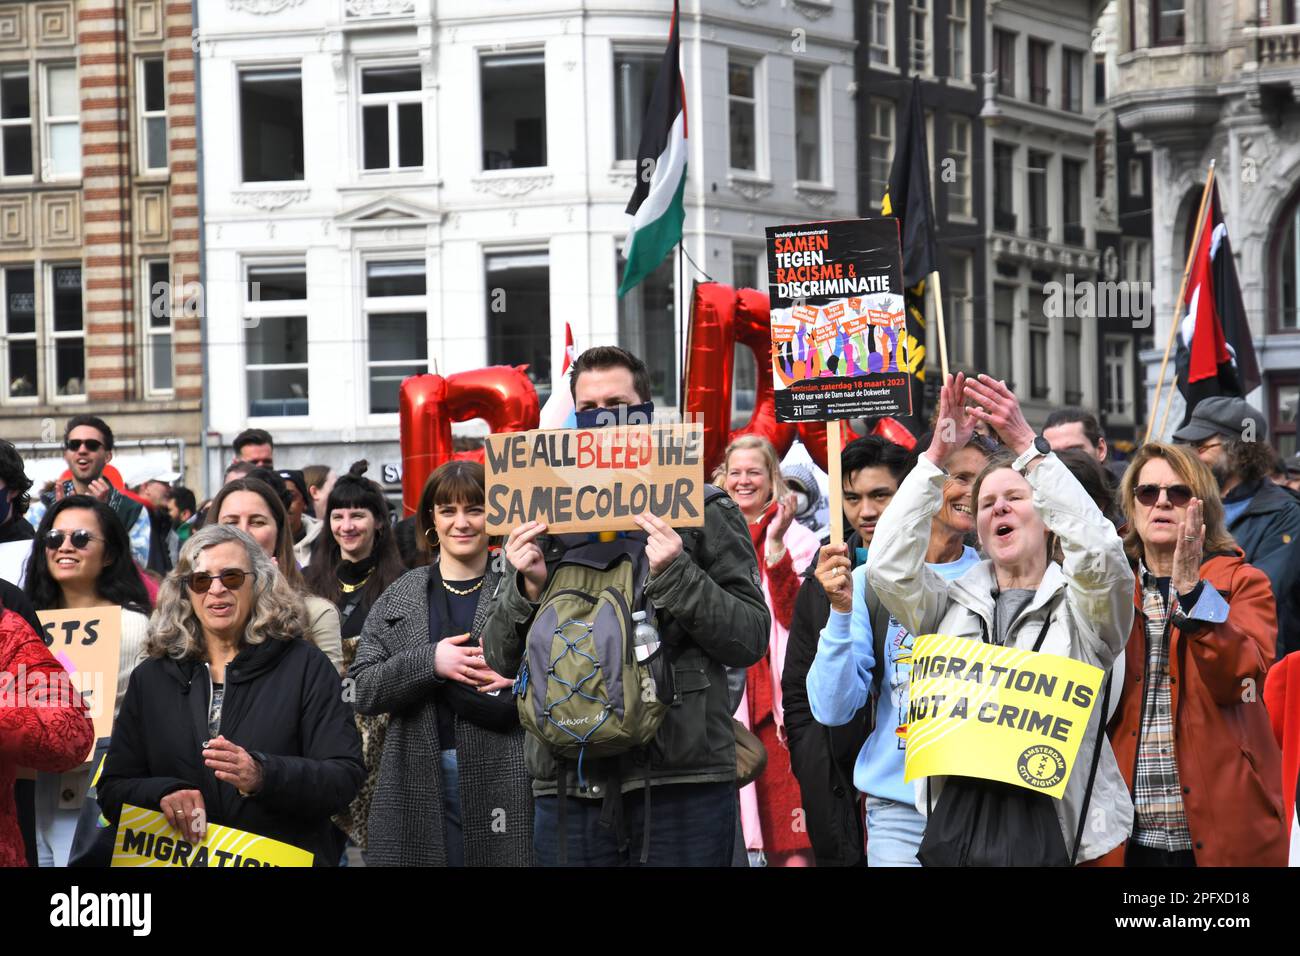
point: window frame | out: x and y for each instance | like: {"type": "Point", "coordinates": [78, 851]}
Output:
{"type": "Point", "coordinates": [1070, 55]}
{"type": "Point", "coordinates": [874, 47]}
{"type": "Point", "coordinates": [1004, 54]}
{"type": "Point", "coordinates": [29, 121]}
{"type": "Point", "coordinates": [1039, 95]}
{"type": "Point", "coordinates": [874, 103]}
{"type": "Point", "coordinates": [391, 305]}
{"type": "Point", "coordinates": [144, 115]}
{"type": "Point", "coordinates": [637, 295]}
{"type": "Point", "coordinates": [759, 106]}
{"type": "Point", "coordinates": [965, 211]}
{"type": "Point", "coordinates": [242, 70]}
{"type": "Point", "coordinates": [53, 338]}
{"type": "Point", "coordinates": [1157, 39]}
{"type": "Point", "coordinates": [921, 11]}
{"type": "Point", "coordinates": [262, 310]}
{"type": "Point", "coordinates": [1005, 216]}
{"type": "Point", "coordinates": [484, 54]}
{"type": "Point", "coordinates": [1128, 412]}
{"type": "Point", "coordinates": [1036, 227]}
{"type": "Point", "coordinates": [820, 75]}
{"type": "Point", "coordinates": [959, 27]}
{"type": "Point", "coordinates": [1079, 167]}
{"type": "Point", "coordinates": [150, 331]}
{"type": "Point", "coordinates": [7, 338]}
{"type": "Point", "coordinates": [1277, 381]}
{"type": "Point", "coordinates": [630, 50]}
{"type": "Point", "coordinates": [49, 121]}
{"type": "Point", "coordinates": [486, 253]}
{"type": "Point", "coordinates": [392, 101]}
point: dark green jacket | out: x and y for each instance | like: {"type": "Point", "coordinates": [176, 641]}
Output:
{"type": "Point", "coordinates": [712, 612]}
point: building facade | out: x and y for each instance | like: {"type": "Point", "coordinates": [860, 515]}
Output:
{"type": "Point", "coordinates": [1202, 82]}
{"type": "Point", "coordinates": [98, 222]}
{"type": "Point", "coordinates": [389, 191]}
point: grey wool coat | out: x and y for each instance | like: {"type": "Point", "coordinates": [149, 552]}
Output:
{"type": "Point", "coordinates": [394, 674]}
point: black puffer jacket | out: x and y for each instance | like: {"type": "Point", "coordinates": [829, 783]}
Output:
{"type": "Point", "coordinates": [283, 701]}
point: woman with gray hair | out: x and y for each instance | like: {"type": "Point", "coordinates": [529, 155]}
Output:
{"type": "Point", "coordinates": [234, 719]}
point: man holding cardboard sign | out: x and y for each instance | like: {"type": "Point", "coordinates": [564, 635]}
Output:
{"type": "Point", "coordinates": [703, 611]}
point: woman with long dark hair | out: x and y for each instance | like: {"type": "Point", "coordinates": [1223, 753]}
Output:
{"type": "Point", "coordinates": [82, 558]}
{"type": "Point", "coordinates": [355, 558]}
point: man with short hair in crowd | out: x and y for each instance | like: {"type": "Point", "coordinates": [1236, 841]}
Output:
{"type": "Point", "coordinates": [1074, 427]}
{"type": "Point", "coordinates": [165, 545]}
{"type": "Point", "coordinates": [14, 497]}
{"type": "Point", "coordinates": [87, 450]}
{"type": "Point", "coordinates": [255, 446]}
{"type": "Point", "coordinates": [711, 615]}
{"type": "Point", "coordinates": [182, 508]}
{"type": "Point", "coordinates": [237, 469]}
{"type": "Point", "coordinates": [821, 756]}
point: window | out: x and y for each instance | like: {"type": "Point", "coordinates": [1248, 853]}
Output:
{"type": "Point", "coordinates": [1117, 368]}
{"type": "Point", "coordinates": [1167, 21]}
{"type": "Point", "coordinates": [1004, 56]}
{"type": "Point", "coordinates": [1072, 81]}
{"type": "Point", "coordinates": [634, 77]}
{"type": "Point", "coordinates": [275, 340]}
{"type": "Point", "coordinates": [1099, 78]}
{"type": "Point", "coordinates": [1037, 192]}
{"type": "Point", "coordinates": [1004, 317]}
{"type": "Point", "coordinates": [1072, 200]}
{"type": "Point", "coordinates": [808, 126]}
{"type": "Point", "coordinates": [1137, 180]}
{"type": "Point", "coordinates": [396, 329]}
{"type": "Point", "coordinates": [153, 115]}
{"type": "Point", "coordinates": [158, 326]}
{"type": "Point", "coordinates": [1038, 53]}
{"type": "Point", "coordinates": [270, 125]}
{"type": "Point", "coordinates": [1137, 259]}
{"type": "Point", "coordinates": [67, 330]}
{"type": "Point", "coordinates": [519, 314]}
{"type": "Point", "coordinates": [919, 39]}
{"type": "Point", "coordinates": [1004, 216]}
{"type": "Point", "coordinates": [742, 115]}
{"type": "Point", "coordinates": [1286, 400]}
{"type": "Point", "coordinates": [21, 372]}
{"type": "Point", "coordinates": [16, 122]}
{"type": "Point", "coordinates": [513, 100]}
{"type": "Point", "coordinates": [647, 326]}
{"type": "Point", "coordinates": [1072, 328]}
{"type": "Point", "coordinates": [748, 268]}
{"type": "Point", "coordinates": [960, 316]}
{"type": "Point", "coordinates": [880, 148]}
{"type": "Point", "coordinates": [959, 190]}
{"type": "Point", "coordinates": [392, 118]}
{"type": "Point", "coordinates": [61, 116]}
{"type": "Point", "coordinates": [1039, 338]}
{"type": "Point", "coordinates": [748, 271]}
{"type": "Point", "coordinates": [959, 40]}
{"type": "Point", "coordinates": [882, 33]}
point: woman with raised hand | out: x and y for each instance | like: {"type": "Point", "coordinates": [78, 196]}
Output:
{"type": "Point", "coordinates": [452, 788]}
{"type": "Point", "coordinates": [233, 720]}
{"type": "Point", "coordinates": [1081, 608]}
{"type": "Point", "coordinates": [82, 559]}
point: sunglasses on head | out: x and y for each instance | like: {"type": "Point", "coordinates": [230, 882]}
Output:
{"type": "Point", "coordinates": [81, 539]}
{"type": "Point", "coordinates": [90, 444]}
{"type": "Point", "coordinates": [1148, 495]}
{"type": "Point", "coordinates": [232, 579]}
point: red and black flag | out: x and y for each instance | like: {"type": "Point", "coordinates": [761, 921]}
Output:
{"type": "Point", "coordinates": [1216, 355]}
{"type": "Point", "coordinates": [908, 197]}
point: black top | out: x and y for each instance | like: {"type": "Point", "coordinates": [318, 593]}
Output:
{"type": "Point", "coordinates": [354, 606]}
{"type": "Point", "coordinates": [460, 608]}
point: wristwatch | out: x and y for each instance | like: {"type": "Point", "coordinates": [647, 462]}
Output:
{"type": "Point", "coordinates": [1038, 449]}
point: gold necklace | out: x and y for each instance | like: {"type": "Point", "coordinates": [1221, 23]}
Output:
{"type": "Point", "coordinates": [466, 591]}
{"type": "Point", "coordinates": [350, 588]}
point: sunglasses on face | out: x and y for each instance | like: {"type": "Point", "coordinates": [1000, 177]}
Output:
{"type": "Point", "coordinates": [80, 538]}
{"type": "Point", "coordinates": [232, 579]}
{"type": "Point", "coordinates": [90, 444]}
{"type": "Point", "coordinates": [1148, 495]}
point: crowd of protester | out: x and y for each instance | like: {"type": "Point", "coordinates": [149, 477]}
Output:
{"type": "Point", "coordinates": [298, 663]}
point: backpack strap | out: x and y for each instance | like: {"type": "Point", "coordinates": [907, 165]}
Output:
{"type": "Point", "coordinates": [1092, 771]}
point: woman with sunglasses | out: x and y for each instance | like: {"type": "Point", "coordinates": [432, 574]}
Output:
{"type": "Point", "coordinates": [82, 559]}
{"type": "Point", "coordinates": [453, 758]}
{"type": "Point", "coordinates": [255, 507]}
{"type": "Point", "coordinates": [1192, 736]}
{"type": "Point", "coordinates": [355, 558]}
{"type": "Point", "coordinates": [232, 720]}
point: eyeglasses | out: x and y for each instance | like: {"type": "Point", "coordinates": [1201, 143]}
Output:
{"type": "Point", "coordinates": [1148, 495]}
{"type": "Point", "coordinates": [76, 444]}
{"type": "Point", "coordinates": [81, 539]}
{"type": "Point", "coordinates": [232, 579]}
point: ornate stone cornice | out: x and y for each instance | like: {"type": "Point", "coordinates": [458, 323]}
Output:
{"type": "Point", "coordinates": [269, 199]}
{"type": "Point", "coordinates": [751, 189]}
{"type": "Point", "coordinates": [380, 8]}
{"type": "Point", "coordinates": [813, 9]}
{"type": "Point", "coordinates": [509, 187]}
{"type": "Point", "coordinates": [262, 8]}
{"type": "Point", "coordinates": [815, 197]}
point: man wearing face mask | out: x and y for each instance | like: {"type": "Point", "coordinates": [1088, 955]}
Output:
{"type": "Point", "coordinates": [711, 615]}
{"type": "Point", "coordinates": [14, 485]}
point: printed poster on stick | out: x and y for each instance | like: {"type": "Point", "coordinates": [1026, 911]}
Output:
{"type": "Point", "coordinates": [145, 838]}
{"type": "Point", "coordinates": [87, 642]}
{"type": "Point", "coordinates": [840, 347]}
{"type": "Point", "coordinates": [980, 710]}
{"type": "Point", "coordinates": [595, 479]}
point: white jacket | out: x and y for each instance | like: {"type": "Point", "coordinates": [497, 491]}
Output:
{"type": "Point", "coordinates": [1089, 601]}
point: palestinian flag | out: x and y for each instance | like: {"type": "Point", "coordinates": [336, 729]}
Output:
{"type": "Point", "coordinates": [908, 198]}
{"type": "Point", "coordinates": [1216, 355]}
{"type": "Point", "coordinates": [656, 204]}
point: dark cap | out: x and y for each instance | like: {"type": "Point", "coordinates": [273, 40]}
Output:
{"type": "Point", "coordinates": [1222, 415]}
{"type": "Point", "coordinates": [295, 476]}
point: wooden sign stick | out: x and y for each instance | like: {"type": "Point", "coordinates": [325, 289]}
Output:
{"type": "Point", "coordinates": [834, 446]}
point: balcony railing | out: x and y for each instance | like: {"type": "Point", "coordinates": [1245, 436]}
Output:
{"type": "Point", "coordinates": [1038, 232]}
{"type": "Point", "coordinates": [1277, 46]}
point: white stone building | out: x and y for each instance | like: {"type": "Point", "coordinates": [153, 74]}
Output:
{"type": "Point", "coordinates": [443, 188]}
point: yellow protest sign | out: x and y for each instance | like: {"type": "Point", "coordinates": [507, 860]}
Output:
{"type": "Point", "coordinates": [87, 642]}
{"type": "Point", "coordinates": [980, 710]}
{"type": "Point", "coordinates": [145, 838]}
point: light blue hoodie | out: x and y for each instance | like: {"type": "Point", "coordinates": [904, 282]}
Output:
{"type": "Point", "coordinates": [839, 683]}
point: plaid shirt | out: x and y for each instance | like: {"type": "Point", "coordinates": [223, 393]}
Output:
{"type": "Point", "coordinates": [1160, 821]}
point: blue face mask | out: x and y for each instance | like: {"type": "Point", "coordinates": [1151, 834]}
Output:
{"type": "Point", "coordinates": [642, 414]}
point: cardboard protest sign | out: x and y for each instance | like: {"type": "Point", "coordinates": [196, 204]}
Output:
{"type": "Point", "coordinates": [595, 479]}
{"type": "Point", "coordinates": [145, 838]}
{"type": "Point", "coordinates": [836, 279]}
{"type": "Point", "coordinates": [88, 642]}
{"type": "Point", "coordinates": [980, 710]}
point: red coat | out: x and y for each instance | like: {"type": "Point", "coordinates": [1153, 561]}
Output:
{"type": "Point", "coordinates": [32, 732]}
{"type": "Point", "coordinates": [1282, 698]}
{"type": "Point", "coordinates": [1228, 762]}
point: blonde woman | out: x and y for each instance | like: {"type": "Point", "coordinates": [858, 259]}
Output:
{"type": "Point", "coordinates": [751, 474]}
